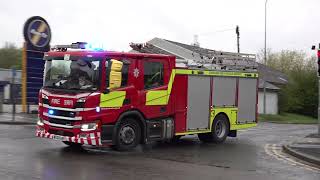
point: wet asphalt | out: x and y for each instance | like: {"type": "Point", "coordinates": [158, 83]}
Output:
{"type": "Point", "coordinates": [24, 156]}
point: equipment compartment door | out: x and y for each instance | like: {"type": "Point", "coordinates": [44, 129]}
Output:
{"type": "Point", "coordinates": [247, 100]}
{"type": "Point", "coordinates": [199, 89]}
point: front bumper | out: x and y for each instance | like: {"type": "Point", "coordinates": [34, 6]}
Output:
{"type": "Point", "coordinates": [94, 138]}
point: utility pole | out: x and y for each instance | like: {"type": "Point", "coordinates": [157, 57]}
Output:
{"type": "Point", "coordinates": [238, 38]}
{"type": "Point", "coordinates": [318, 74]}
{"type": "Point", "coordinates": [265, 58]}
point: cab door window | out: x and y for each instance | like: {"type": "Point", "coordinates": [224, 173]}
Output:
{"type": "Point", "coordinates": [153, 74]}
{"type": "Point", "coordinates": [124, 71]}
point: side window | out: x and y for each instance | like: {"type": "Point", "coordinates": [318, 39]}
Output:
{"type": "Point", "coordinates": [124, 71]}
{"type": "Point", "coordinates": [153, 74]}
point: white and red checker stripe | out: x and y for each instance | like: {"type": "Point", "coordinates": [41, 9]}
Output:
{"type": "Point", "coordinates": [94, 138]}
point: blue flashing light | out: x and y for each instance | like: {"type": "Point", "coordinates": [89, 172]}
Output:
{"type": "Point", "coordinates": [94, 47]}
{"type": "Point", "coordinates": [98, 109]}
{"type": "Point", "coordinates": [51, 112]}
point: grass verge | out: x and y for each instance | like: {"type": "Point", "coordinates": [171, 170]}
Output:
{"type": "Point", "coordinates": [288, 118]}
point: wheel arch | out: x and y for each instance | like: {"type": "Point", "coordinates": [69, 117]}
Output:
{"type": "Point", "coordinates": [221, 114]}
{"type": "Point", "coordinates": [139, 117]}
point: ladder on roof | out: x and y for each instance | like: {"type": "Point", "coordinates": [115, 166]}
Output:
{"type": "Point", "coordinates": [220, 60]}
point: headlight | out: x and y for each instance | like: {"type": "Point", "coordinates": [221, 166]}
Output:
{"type": "Point", "coordinates": [81, 100]}
{"type": "Point", "coordinates": [40, 122]}
{"type": "Point", "coordinates": [89, 126]}
{"type": "Point", "coordinates": [44, 96]}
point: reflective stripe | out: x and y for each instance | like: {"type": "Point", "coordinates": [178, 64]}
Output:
{"type": "Point", "coordinates": [66, 96]}
{"type": "Point", "coordinates": [62, 117]}
{"type": "Point", "coordinates": [66, 109]}
{"type": "Point", "coordinates": [99, 138]}
{"type": "Point", "coordinates": [85, 141]}
{"type": "Point", "coordinates": [157, 97]}
{"type": "Point", "coordinates": [57, 125]}
{"type": "Point", "coordinates": [93, 139]}
{"type": "Point", "coordinates": [217, 73]}
{"type": "Point", "coordinates": [112, 99]}
{"type": "Point", "coordinates": [160, 97]}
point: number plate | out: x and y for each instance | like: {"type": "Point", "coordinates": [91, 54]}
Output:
{"type": "Point", "coordinates": [58, 137]}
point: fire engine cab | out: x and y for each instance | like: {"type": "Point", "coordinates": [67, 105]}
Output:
{"type": "Point", "coordinates": [121, 99]}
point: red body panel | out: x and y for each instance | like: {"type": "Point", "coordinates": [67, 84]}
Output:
{"type": "Point", "coordinates": [179, 96]}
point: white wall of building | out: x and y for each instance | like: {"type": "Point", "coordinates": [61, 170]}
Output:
{"type": "Point", "coordinates": [271, 103]}
{"type": "Point", "coordinates": [6, 91]}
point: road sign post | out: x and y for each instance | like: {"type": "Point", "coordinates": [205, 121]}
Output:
{"type": "Point", "coordinates": [13, 92]}
{"type": "Point", "coordinates": [37, 35]}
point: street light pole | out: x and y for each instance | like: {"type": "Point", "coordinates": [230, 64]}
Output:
{"type": "Point", "coordinates": [265, 57]}
{"type": "Point", "coordinates": [318, 74]}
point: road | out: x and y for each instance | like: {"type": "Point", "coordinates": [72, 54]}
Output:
{"type": "Point", "coordinates": [254, 154]}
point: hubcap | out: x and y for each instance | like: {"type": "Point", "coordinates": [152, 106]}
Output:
{"type": "Point", "coordinates": [127, 134]}
{"type": "Point", "coordinates": [220, 129]}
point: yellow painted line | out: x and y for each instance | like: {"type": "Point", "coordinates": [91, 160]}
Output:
{"type": "Point", "coordinates": [35, 39]}
{"type": "Point", "coordinates": [276, 152]}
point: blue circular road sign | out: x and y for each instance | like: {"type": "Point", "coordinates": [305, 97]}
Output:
{"type": "Point", "coordinates": [37, 33]}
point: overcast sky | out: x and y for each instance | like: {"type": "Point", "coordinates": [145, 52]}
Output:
{"type": "Point", "coordinates": [291, 24]}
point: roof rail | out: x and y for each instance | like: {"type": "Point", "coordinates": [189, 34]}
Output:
{"type": "Point", "coordinates": [222, 61]}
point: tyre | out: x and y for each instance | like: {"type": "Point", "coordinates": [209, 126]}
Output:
{"type": "Point", "coordinates": [220, 130]}
{"type": "Point", "coordinates": [127, 135]}
{"type": "Point", "coordinates": [72, 144]}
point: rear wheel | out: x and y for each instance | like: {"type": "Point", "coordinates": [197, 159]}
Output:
{"type": "Point", "coordinates": [128, 135]}
{"type": "Point", "coordinates": [220, 130]}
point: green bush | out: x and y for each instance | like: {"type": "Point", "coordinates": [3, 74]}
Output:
{"type": "Point", "coordinates": [300, 95]}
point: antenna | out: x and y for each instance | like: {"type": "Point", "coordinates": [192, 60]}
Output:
{"type": "Point", "coordinates": [195, 41]}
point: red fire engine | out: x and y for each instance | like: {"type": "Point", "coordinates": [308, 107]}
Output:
{"type": "Point", "coordinates": [121, 99]}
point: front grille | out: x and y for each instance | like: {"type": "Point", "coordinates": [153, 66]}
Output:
{"type": "Point", "coordinates": [79, 105]}
{"type": "Point", "coordinates": [61, 132]}
{"type": "Point", "coordinates": [61, 121]}
{"type": "Point", "coordinates": [64, 113]}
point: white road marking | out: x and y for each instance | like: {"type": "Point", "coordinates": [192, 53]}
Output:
{"type": "Point", "coordinates": [275, 151]}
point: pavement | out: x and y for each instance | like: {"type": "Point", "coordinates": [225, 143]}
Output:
{"type": "Point", "coordinates": [19, 118]}
{"type": "Point", "coordinates": [307, 149]}
{"type": "Point", "coordinates": [255, 154]}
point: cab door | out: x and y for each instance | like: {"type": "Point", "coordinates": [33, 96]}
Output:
{"type": "Point", "coordinates": [153, 91]}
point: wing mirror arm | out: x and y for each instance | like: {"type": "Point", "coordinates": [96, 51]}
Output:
{"type": "Point", "coordinates": [106, 91]}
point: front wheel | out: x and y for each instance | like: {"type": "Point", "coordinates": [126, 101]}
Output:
{"type": "Point", "coordinates": [220, 130]}
{"type": "Point", "coordinates": [128, 135]}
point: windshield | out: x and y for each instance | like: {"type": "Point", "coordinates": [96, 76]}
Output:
{"type": "Point", "coordinates": [77, 74]}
